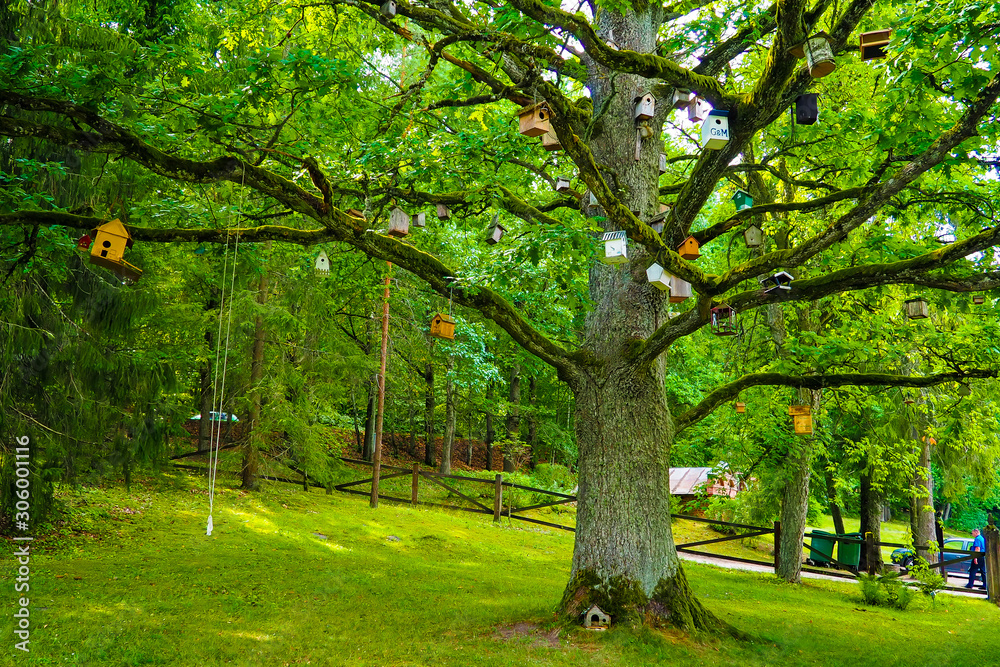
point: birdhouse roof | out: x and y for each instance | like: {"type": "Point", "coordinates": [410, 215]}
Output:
{"type": "Point", "coordinates": [719, 112]}
{"type": "Point", "coordinates": [641, 94]}
{"type": "Point", "coordinates": [594, 608]}
{"type": "Point", "coordinates": [612, 236]}
{"type": "Point", "coordinates": [115, 228]}
{"type": "Point", "coordinates": [441, 317]}
{"type": "Point", "coordinates": [524, 111]}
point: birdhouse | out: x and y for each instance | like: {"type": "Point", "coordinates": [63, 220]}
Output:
{"type": "Point", "coordinates": [908, 398]}
{"type": "Point", "coordinates": [658, 222]}
{"type": "Point", "coordinates": [689, 248]}
{"type": "Point", "coordinates": [753, 236]}
{"type": "Point", "coordinates": [978, 299]}
{"type": "Point", "coordinates": [322, 263]}
{"type": "Point", "coordinates": [807, 109]}
{"type": "Point", "coordinates": [872, 44]}
{"type": "Point", "coordinates": [741, 408]}
{"type": "Point", "coordinates": [355, 213]}
{"type": "Point", "coordinates": [742, 199]}
{"type": "Point", "coordinates": [680, 98]}
{"type": "Point", "coordinates": [108, 250]}
{"type": "Point", "coordinates": [698, 109]}
{"type": "Point", "coordinates": [399, 223]}
{"type": "Point", "coordinates": [645, 106]}
{"type": "Point", "coordinates": [443, 326]}
{"type": "Point", "coordinates": [389, 9]}
{"type": "Point", "coordinates": [83, 243]}
{"type": "Point", "coordinates": [801, 419]}
{"type": "Point", "coordinates": [663, 163]}
{"type": "Point", "coordinates": [778, 283]}
{"type": "Point", "coordinates": [533, 121]}
{"type": "Point", "coordinates": [723, 320]}
{"type": "Point", "coordinates": [818, 54]}
{"type": "Point", "coordinates": [562, 184]}
{"type": "Point", "coordinates": [419, 220]}
{"type": "Point", "coordinates": [442, 212]}
{"type": "Point", "coordinates": [615, 248]}
{"type": "Point", "coordinates": [595, 619]}
{"type": "Point", "coordinates": [550, 141]}
{"type": "Point", "coordinates": [680, 290]}
{"type": "Point", "coordinates": [658, 277]}
{"type": "Point", "coordinates": [916, 309]}
{"type": "Point", "coordinates": [494, 232]}
{"type": "Point", "coordinates": [715, 130]}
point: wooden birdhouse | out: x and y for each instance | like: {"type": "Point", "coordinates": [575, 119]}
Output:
{"type": "Point", "coordinates": [442, 212]}
{"type": "Point", "coordinates": [778, 283]}
{"type": "Point", "coordinates": [680, 98]}
{"type": "Point", "coordinates": [355, 213]}
{"type": "Point", "coordinates": [533, 121]}
{"type": "Point", "coordinates": [615, 248]}
{"type": "Point", "coordinates": [801, 419]}
{"type": "Point", "coordinates": [83, 243]}
{"type": "Point", "coordinates": [741, 408]}
{"type": "Point", "coordinates": [494, 232]}
{"type": "Point", "coordinates": [419, 219]}
{"type": "Point", "coordinates": [389, 9]}
{"type": "Point", "coordinates": [916, 309]}
{"type": "Point", "coordinates": [658, 222]}
{"type": "Point", "coordinates": [689, 248]}
{"type": "Point", "coordinates": [680, 290]}
{"type": "Point", "coordinates": [443, 326]}
{"type": "Point", "coordinates": [658, 277]}
{"type": "Point", "coordinates": [322, 263]}
{"type": "Point", "coordinates": [723, 320]}
{"type": "Point", "coordinates": [550, 141]}
{"type": "Point", "coordinates": [663, 163]}
{"type": "Point", "coordinates": [645, 106]}
{"type": "Point", "coordinates": [698, 109]}
{"type": "Point", "coordinates": [978, 299]}
{"type": "Point", "coordinates": [562, 184]}
{"type": "Point", "coordinates": [753, 236]}
{"type": "Point", "coordinates": [807, 109]}
{"type": "Point", "coordinates": [743, 200]}
{"type": "Point", "coordinates": [595, 619]}
{"type": "Point", "coordinates": [108, 250]}
{"type": "Point", "coordinates": [818, 54]}
{"type": "Point", "coordinates": [715, 130]}
{"type": "Point", "coordinates": [399, 223]}
{"type": "Point", "coordinates": [872, 44]}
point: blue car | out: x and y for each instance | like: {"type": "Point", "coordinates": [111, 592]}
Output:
{"type": "Point", "coordinates": [905, 557]}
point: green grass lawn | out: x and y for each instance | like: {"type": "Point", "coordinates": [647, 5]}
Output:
{"type": "Point", "coordinates": [305, 578]}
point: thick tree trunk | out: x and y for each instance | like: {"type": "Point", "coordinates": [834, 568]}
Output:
{"type": "Point", "coordinates": [449, 420]}
{"type": "Point", "coordinates": [794, 506]}
{"type": "Point", "coordinates": [922, 519]}
{"type": "Point", "coordinates": [429, 415]}
{"type": "Point", "coordinates": [871, 520]}
{"type": "Point", "coordinates": [490, 432]}
{"type": "Point", "coordinates": [514, 416]}
{"type": "Point", "coordinates": [255, 438]}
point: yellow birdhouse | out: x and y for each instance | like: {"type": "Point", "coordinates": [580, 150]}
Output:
{"type": "Point", "coordinates": [111, 240]}
{"type": "Point", "coordinates": [801, 419]}
{"type": "Point", "coordinates": [443, 326]}
{"type": "Point", "coordinates": [533, 121]}
{"type": "Point", "coordinates": [689, 248]}
{"type": "Point", "coordinates": [741, 408]}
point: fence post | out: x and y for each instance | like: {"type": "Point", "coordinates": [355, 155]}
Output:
{"type": "Point", "coordinates": [777, 546]}
{"type": "Point", "coordinates": [992, 576]}
{"type": "Point", "coordinates": [414, 483]}
{"type": "Point", "coordinates": [870, 558]}
{"type": "Point", "coordinates": [497, 497]}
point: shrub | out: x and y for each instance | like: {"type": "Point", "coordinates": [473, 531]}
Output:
{"type": "Point", "coordinates": [553, 477]}
{"type": "Point", "coordinates": [885, 590]}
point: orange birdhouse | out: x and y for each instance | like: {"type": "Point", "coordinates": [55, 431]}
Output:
{"type": "Point", "coordinates": [801, 419]}
{"type": "Point", "coordinates": [443, 326]}
{"type": "Point", "coordinates": [111, 240]}
{"type": "Point", "coordinates": [689, 249]}
{"type": "Point", "coordinates": [741, 408]}
{"type": "Point", "coordinates": [533, 121]}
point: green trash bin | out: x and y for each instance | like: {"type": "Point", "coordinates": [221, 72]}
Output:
{"type": "Point", "coordinates": [822, 548]}
{"type": "Point", "coordinates": [849, 553]}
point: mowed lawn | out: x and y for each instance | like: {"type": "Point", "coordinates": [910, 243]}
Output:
{"type": "Point", "coordinates": [291, 578]}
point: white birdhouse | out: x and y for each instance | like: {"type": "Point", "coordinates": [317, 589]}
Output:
{"type": "Point", "coordinates": [663, 163]}
{"type": "Point", "coordinates": [389, 9]}
{"type": "Point", "coordinates": [754, 236]}
{"type": "Point", "coordinates": [680, 98]}
{"type": "Point", "coordinates": [322, 263]}
{"type": "Point", "coordinates": [562, 184]}
{"type": "Point", "coordinates": [615, 248]}
{"type": "Point", "coordinates": [698, 109]}
{"type": "Point", "coordinates": [680, 290]}
{"type": "Point", "coordinates": [399, 223]}
{"type": "Point", "coordinates": [658, 277]}
{"type": "Point", "coordinates": [419, 220]}
{"type": "Point", "coordinates": [778, 283]}
{"type": "Point", "coordinates": [442, 212]}
{"type": "Point", "coordinates": [715, 130]}
{"type": "Point", "coordinates": [818, 54]}
{"type": "Point", "coordinates": [645, 106]}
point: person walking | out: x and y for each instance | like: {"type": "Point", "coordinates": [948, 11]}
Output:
{"type": "Point", "coordinates": [977, 564]}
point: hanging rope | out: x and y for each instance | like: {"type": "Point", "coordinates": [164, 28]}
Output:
{"type": "Point", "coordinates": [216, 430]}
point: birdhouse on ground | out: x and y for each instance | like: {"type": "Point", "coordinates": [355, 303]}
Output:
{"type": "Point", "coordinates": [753, 236]}
{"type": "Point", "coordinates": [680, 290]}
{"type": "Point", "coordinates": [355, 213]}
{"type": "Point", "coordinates": [663, 163]}
{"type": "Point", "coordinates": [697, 109]}
{"type": "Point", "coordinates": [108, 250]}
{"type": "Point", "coordinates": [801, 419]}
{"type": "Point", "coordinates": [442, 212]}
{"type": "Point", "coordinates": [689, 248]}
{"type": "Point", "coordinates": [658, 277]}
{"type": "Point", "coordinates": [742, 199]}
{"type": "Point", "coordinates": [595, 619]}
{"type": "Point", "coordinates": [443, 326]}
{"type": "Point", "coordinates": [715, 130]}
{"type": "Point", "coordinates": [680, 98]}
{"type": "Point", "coordinates": [83, 243]}
{"type": "Point", "coordinates": [389, 9]}
{"type": "Point", "coordinates": [419, 220]}
{"type": "Point", "coordinates": [562, 184]}
{"type": "Point", "coordinates": [778, 283]}
{"type": "Point", "coordinates": [322, 263]}
{"type": "Point", "coordinates": [872, 44]}
{"type": "Point", "coordinates": [615, 248]}
{"type": "Point", "coordinates": [645, 106]}
{"type": "Point", "coordinates": [916, 309]}
{"type": "Point", "coordinates": [807, 109]}
{"type": "Point", "coordinates": [978, 299]}
{"type": "Point", "coordinates": [723, 320]}
{"type": "Point", "coordinates": [399, 223]}
{"type": "Point", "coordinates": [550, 141]}
{"type": "Point", "coordinates": [533, 121]}
{"type": "Point", "coordinates": [494, 232]}
{"type": "Point", "coordinates": [741, 408]}
{"type": "Point", "coordinates": [818, 54]}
